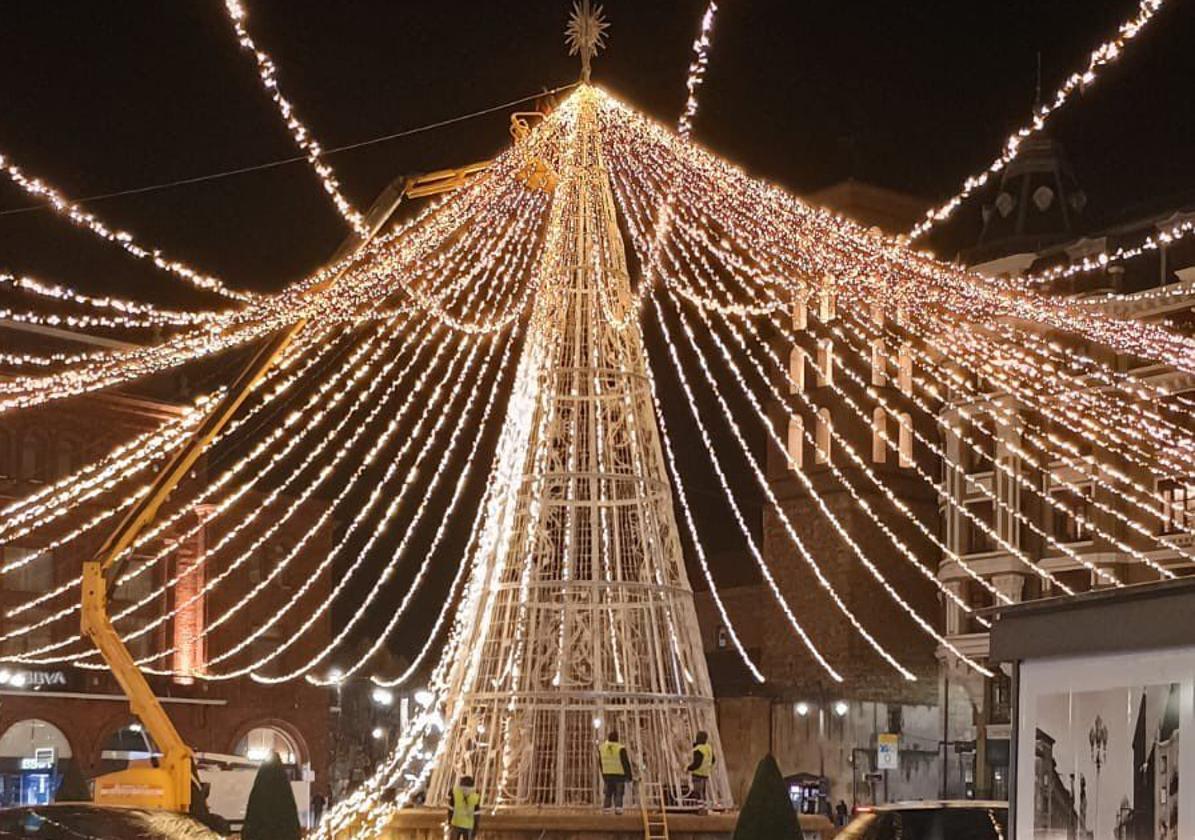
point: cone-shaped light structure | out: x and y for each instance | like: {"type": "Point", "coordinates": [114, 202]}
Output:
{"type": "Point", "coordinates": [582, 620]}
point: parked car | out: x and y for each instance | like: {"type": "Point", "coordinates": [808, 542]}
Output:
{"type": "Point", "coordinates": [966, 819]}
{"type": "Point", "coordinates": [99, 822]}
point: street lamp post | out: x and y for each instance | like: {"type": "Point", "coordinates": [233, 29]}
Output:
{"type": "Point", "coordinates": [1098, 740]}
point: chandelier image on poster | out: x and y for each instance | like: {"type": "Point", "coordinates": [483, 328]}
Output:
{"type": "Point", "coordinates": [1107, 764]}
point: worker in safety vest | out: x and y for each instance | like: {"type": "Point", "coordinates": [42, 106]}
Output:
{"type": "Point", "coordinates": [462, 816]}
{"type": "Point", "coordinates": [616, 771]}
{"type": "Point", "coordinates": [700, 768]}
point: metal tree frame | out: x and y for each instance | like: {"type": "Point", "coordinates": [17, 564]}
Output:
{"type": "Point", "coordinates": [584, 620]}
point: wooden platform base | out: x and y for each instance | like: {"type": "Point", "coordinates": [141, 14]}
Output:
{"type": "Point", "coordinates": [428, 824]}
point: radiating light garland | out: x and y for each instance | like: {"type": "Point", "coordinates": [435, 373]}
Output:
{"type": "Point", "coordinates": [701, 60]}
{"type": "Point", "coordinates": [165, 317]}
{"type": "Point", "coordinates": [134, 462]}
{"type": "Point", "coordinates": [268, 72]}
{"type": "Point", "coordinates": [694, 538]}
{"type": "Point", "coordinates": [347, 671]}
{"type": "Point", "coordinates": [818, 244]}
{"type": "Point", "coordinates": [1106, 53]}
{"type": "Point", "coordinates": [1018, 423]}
{"type": "Point", "coordinates": [294, 506]}
{"type": "Point", "coordinates": [426, 233]}
{"type": "Point", "coordinates": [391, 429]}
{"type": "Point", "coordinates": [810, 488]}
{"type": "Point", "coordinates": [719, 207]}
{"type": "Point", "coordinates": [292, 442]}
{"type": "Point", "coordinates": [844, 445]}
{"type": "Point", "coordinates": [743, 312]}
{"type": "Point", "coordinates": [805, 555]}
{"type": "Point", "coordinates": [63, 206]}
{"type": "Point", "coordinates": [696, 272]}
{"type": "Point", "coordinates": [203, 519]}
{"type": "Point", "coordinates": [84, 322]}
{"type": "Point", "coordinates": [220, 508]}
{"type": "Point", "coordinates": [984, 526]}
{"type": "Point", "coordinates": [1017, 477]}
{"type": "Point", "coordinates": [387, 516]}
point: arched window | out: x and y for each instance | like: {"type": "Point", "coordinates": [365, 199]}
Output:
{"type": "Point", "coordinates": [260, 741]}
{"type": "Point", "coordinates": [879, 434]}
{"type": "Point", "coordinates": [800, 313]}
{"type": "Point", "coordinates": [796, 370]}
{"type": "Point", "coordinates": [906, 440]}
{"type": "Point", "coordinates": [825, 361]}
{"type": "Point", "coordinates": [905, 369]}
{"type": "Point", "coordinates": [796, 443]}
{"type": "Point", "coordinates": [826, 307]}
{"type": "Point", "coordinates": [877, 315]}
{"type": "Point", "coordinates": [822, 453]}
{"type": "Point", "coordinates": [7, 457]}
{"type": "Point", "coordinates": [34, 457]}
{"type": "Point", "coordinates": [879, 362]}
{"type": "Point", "coordinates": [66, 457]}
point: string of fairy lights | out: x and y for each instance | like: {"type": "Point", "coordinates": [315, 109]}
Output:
{"type": "Point", "coordinates": [867, 367]}
{"type": "Point", "coordinates": [268, 72]}
{"type": "Point", "coordinates": [1106, 53]}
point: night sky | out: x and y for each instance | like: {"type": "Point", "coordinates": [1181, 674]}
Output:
{"type": "Point", "coordinates": [106, 95]}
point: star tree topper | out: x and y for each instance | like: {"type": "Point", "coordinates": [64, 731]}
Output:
{"type": "Point", "coordinates": [586, 34]}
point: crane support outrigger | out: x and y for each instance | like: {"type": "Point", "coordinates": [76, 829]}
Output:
{"type": "Point", "coordinates": [169, 784]}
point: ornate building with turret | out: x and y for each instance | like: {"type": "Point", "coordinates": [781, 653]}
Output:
{"type": "Point", "coordinates": [1016, 496]}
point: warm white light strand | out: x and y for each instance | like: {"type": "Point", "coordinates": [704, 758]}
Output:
{"type": "Point", "coordinates": [1106, 53]}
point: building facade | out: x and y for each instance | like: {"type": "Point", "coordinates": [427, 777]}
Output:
{"type": "Point", "coordinates": [57, 719]}
{"type": "Point", "coordinates": [1058, 498]}
{"type": "Point", "coordinates": [1013, 477]}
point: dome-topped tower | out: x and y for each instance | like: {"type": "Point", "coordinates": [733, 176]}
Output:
{"type": "Point", "coordinates": [1038, 203]}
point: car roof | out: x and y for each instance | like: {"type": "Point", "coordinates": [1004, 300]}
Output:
{"type": "Point", "coordinates": [929, 804]}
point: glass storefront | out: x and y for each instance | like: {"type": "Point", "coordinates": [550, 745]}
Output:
{"type": "Point", "coordinates": [34, 755]}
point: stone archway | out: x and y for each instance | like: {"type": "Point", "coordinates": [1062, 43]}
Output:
{"type": "Point", "coordinates": [256, 739]}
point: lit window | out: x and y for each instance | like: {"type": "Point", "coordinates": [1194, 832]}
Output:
{"type": "Point", "coordinates": [905, 369]}
{"type": "Point", "coordinates": [879, 360]}
{"type": "Point", "coordinates": [826, 308]}
{"type": "Point", "coordinates": [800, 314]}
{"type": "Point", "coordinates": [879, 434]}
{"type": "Point", "coordinates": [906, 440]}
{"type": "Point", "coordinates": [1178, 504]}
{"type": "Point", "coordinates": [822, 456]}
{"type": "Point", "coordinates": [825, 361]}
{"type": "Point", "coordinates": [796, 370]}
{"type": "Point", "coordinates": [796, 431]}
{"type": "Point", "coordinates": [1072, 513]}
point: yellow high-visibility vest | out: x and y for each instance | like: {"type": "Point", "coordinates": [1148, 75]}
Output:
{"type": "Point", "coordinates": [464, 807]}
{"type": "Point", "coordinates": [707, 760]}
{"type": "Point", "coordinates": [611, 755]}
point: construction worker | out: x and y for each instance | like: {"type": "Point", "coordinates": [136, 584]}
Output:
{"type": "Point", "coordinates": [462, 816]}
{"type": "Point", "coordinates": [616, 771]}
{"type": "Point", "coordinates": [700, 768]}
